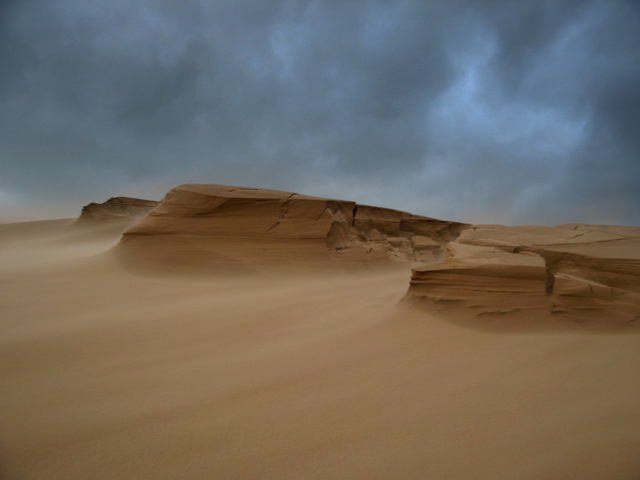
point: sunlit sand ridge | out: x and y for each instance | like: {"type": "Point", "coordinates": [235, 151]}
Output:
{"type": "Point", "coordinates": [242, 334]}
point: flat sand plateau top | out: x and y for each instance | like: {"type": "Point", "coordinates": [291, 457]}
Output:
{"type": "Point", "coordinates": [108, 374]}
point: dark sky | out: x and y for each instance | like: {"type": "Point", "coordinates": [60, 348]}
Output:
{"type": "Point", "coordinates": [469, 110]}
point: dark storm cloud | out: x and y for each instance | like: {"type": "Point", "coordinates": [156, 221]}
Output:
{"type": "Point", "coordinates": [472, 110]}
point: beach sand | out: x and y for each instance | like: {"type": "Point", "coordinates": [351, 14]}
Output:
{"type": "Point", "coordinates": [297, 373]}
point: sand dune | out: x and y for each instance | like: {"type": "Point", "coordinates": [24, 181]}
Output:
{"type": "Point", "coordinates": [216, 227]}
{"type": "Point", "coordinates": [531, 277]}
{"type": "Point", "coordinates": [110, 372]}
{"type": "Point", "coordinates": [116, 210]}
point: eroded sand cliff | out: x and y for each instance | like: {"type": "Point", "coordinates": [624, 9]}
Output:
{"type": "Point", "coordinates": [493, 273]}
{"type": "Point", "coordinates": [116, 209]}
{"type": "Point", "coordinates": [488, 275]}
{"type": "Point", "coordinates": [214, 227]}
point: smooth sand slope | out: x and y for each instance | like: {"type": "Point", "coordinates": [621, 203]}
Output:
{"type": "Point", "coordinates": [111, 369]}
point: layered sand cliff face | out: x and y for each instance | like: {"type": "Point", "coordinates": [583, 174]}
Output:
{"type": "Point", "coordinates": [494, 274]}
{"type": "Point", "coordinates": [213, 227]}
{"type": "Point", "coordinates": [486, 275]}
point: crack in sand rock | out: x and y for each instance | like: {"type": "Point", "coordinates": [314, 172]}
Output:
{"type": "Point", "coordinates": [215, 226]}
{"type": "Point", "coordinates": [496, 266]}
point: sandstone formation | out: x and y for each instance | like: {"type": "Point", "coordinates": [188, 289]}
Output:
{"type": "Point", "coordinates": [485, 275]}
{"type": "Point", "coordinates": [209, 227]}
{"type": "Point", "coordinates": [116, 209]}
{"type": "Point", "coordinates": [494, 273]}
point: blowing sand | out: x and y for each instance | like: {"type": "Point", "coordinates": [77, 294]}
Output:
{"type": "Point", "coordinates": [109, 374]}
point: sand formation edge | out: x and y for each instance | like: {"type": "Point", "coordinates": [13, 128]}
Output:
{"type": "Point", "coordinates": [209, 227]}
{"type": "Point", "coordinates": [481, 273]}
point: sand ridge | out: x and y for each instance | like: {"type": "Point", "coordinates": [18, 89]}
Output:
{"type": "Point", "coordinates": [532, 277]}
{"type": "Point", "coordinates": [488, 274]}
{"type": "Point", "coordinates": [213, 227]}
{"type": "Point", "coordinates": [116, 210]}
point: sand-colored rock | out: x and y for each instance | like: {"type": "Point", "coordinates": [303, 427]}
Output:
{"type": "Point", "coordinates": [584, 301]}
{"type": "Point", "coordinates": [584, 288]}
{"type": "Point", "coordinates": [596, 240]}
{"type": "Point", "coordinates": [480, 281]}
{"type": "Point", "coordinates": [486, 274]}
{"type": "Point", "coordinates": [207, 227]}
{"type": "Point", "coordinates": [116, 209]}
{"type": "Point", "coordinates": [520, 273]}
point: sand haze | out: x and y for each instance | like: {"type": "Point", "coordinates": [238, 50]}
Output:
{"type": "Point", "coordinates": [256, 334]}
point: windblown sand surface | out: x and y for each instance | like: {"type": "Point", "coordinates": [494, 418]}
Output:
{"type": "Point", "coordinates": [297, 373]}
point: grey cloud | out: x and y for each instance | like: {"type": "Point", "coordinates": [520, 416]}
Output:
{"type": "Point", "coordinates": [525, 111]}
{"type": "Point", "coordinates": [524, 31]}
